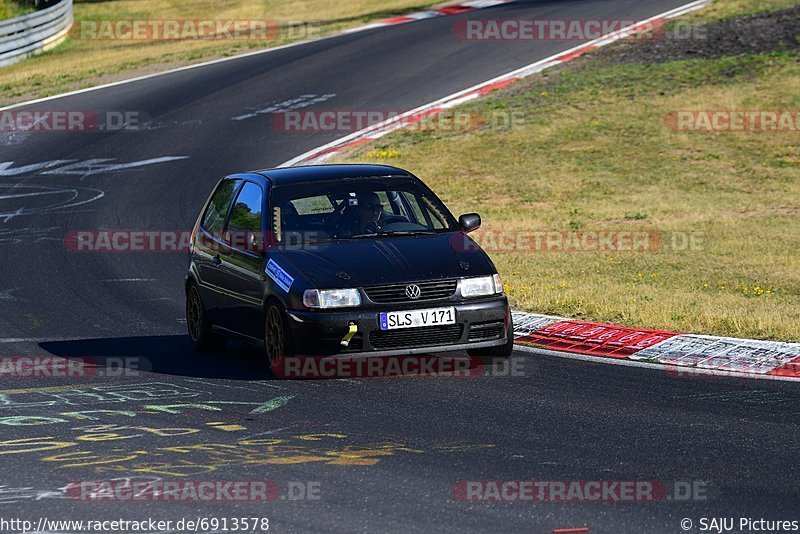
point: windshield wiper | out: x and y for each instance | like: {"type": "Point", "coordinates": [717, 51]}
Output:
{"type": "Point", "coordinates": [407, 232]}
{"type": "Point", "coordinates": [391, 233]}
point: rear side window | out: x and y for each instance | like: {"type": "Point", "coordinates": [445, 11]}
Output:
{"type": "Point", "coordinates": [246, 214]}
{"type": "Point", "coordinates": [313, 205]}
{"type": "Point", "coordinates": [217, 210]}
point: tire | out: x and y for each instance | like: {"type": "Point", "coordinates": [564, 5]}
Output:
{"type": "Point", "coordinates": [203, 339]}
{"type": "Point", "coordinates": [495, 355]}
{"type": "Point", "coordinates": [277, 338]}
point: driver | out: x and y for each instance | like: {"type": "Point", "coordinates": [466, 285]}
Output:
{"type": "Point", "coordinates": [368, 214]}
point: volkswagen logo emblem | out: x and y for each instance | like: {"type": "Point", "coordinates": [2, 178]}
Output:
{"type": "Point", "coordinates": [413, 291]}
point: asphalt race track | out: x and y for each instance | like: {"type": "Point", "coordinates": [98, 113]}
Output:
{"type": "Point", "coordinates": [375, 454]}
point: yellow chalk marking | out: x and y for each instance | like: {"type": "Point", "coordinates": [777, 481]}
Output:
{"type": "Point", "coordinates": [318, 437]}
{"type": "Point", "coordinates": [300, 459]}
{"type": "Point", "coordinates": [226, 427]}
{"type": "Point", "coordinates": [23, 445]}
{"type": "Point", "coordinates": [64, 388]}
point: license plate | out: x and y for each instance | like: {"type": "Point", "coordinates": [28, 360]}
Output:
{"type": "Point", "coordinates": [415, 318]}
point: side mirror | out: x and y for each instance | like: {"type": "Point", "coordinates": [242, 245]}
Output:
{"type": "Point", "coordinates": [469, 222]}
{"type": "Point", "coordinates": [256, 242]}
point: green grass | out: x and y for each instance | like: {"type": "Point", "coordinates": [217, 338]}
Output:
{"type": "Point", "coordinates": [10, 9]}
{"type": "Point", "coordinates": [593, 152]}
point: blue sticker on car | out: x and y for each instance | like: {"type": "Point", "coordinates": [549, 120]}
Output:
{"type": "Point", "coordinates": [280, 276]}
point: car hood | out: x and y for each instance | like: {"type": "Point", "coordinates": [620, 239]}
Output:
{"type": "Point", "coordinates": [373, 261]}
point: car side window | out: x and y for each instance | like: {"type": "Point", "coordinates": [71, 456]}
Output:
{"type": "Point", "coordinates": [415, 208]}
{"type": "Point", "coordinates": [425, 212]}
{"type": "Point", "coordinates": [246, 214]}
{"type": "Point", "coordinates": [218, 207]}
{"type": "Point", "coordinates": [396, 208]}
{"type": "Point", "coordinates": [313, 205]}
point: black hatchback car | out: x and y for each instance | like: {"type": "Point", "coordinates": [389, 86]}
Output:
{"type": "Point", "coordinates": [341, 260]}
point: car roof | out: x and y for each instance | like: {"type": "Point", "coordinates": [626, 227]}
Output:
{"type": "Point", "coordinates": [313, 173]}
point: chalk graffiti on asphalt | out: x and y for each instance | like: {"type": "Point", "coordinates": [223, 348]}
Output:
{"type": "Point", "coordinates": [18, 236]}
{"type": "Point", "coordinates": [201, 458]}
{"type": "Point", "coordinates": [30, 398]}
{"type": "Point", "coordinates": [13, 495]}
{"type": "Point", "coordinates": [83, 168]}
{"type": "Point", "coordinates": [45, 199]}
{"type": "Point", "coordinates": [300, 102]}
{"type": "Point", "coordinates": [258, 407]}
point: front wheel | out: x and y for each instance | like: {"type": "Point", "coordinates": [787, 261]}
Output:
{"type": "Point", "coordinates": [277, 338]}
{"type": "Point", "coordinates": [203, 339]}
{"type": "Point", "coordinates": [495, 355]}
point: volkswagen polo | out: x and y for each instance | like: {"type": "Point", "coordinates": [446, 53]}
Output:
{"type": "Point", "coordinates": [346, 260]}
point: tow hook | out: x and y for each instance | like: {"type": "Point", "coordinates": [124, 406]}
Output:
{"type": "Point", "coordinates": [353, 328]}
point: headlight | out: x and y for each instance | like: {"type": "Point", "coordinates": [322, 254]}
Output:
{"type": "Point", "coordinates": [331, 298]}
{"type": "Point", "coordinates": [482, 286]}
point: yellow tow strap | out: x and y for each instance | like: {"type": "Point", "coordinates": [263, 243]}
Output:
{"type": "Point", "coordinates": [349, 335]}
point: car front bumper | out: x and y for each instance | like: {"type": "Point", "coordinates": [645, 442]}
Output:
{"type": "Point", "coordinates": [480, 323]}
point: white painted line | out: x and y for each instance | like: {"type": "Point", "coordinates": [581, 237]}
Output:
{"type": "Point", "coordinates": [478, 4]}
{"type": "Point", "coordinates": [291, 104]}
{"type": "Point", "coordinates": [421, 15]}
{"type": "Point", "coordinates": [129, 280]}
{"type": "Point", "coordinates": [37, 194]}
{"type": "Point", "coordinates": [98, 165]}
{"type": "Point", "coordinates": [370, 26]}
{"type": "Point", "coordinates": [27, 340]}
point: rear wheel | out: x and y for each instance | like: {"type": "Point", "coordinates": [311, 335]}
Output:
{"type": "Point", "coordinates": [203, 339]}
{"type": "Point", "coordinates": [277, 338]}
{"type": "Point", "coordinates": [495, 355]}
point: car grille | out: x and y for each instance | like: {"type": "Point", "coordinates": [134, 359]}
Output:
{"type": "Point", "coordinates": [486, 331]}
{"type": "Point", "coordinates": [436, 289]}
{"type": "Point", "coordinates": [416, 337]}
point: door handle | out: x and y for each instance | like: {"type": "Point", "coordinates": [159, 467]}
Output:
{"type": "Point", "coordinates": [217, 260]}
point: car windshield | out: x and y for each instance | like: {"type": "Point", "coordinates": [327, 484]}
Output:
{"type": "Point", "coordinates": [356, 208]}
